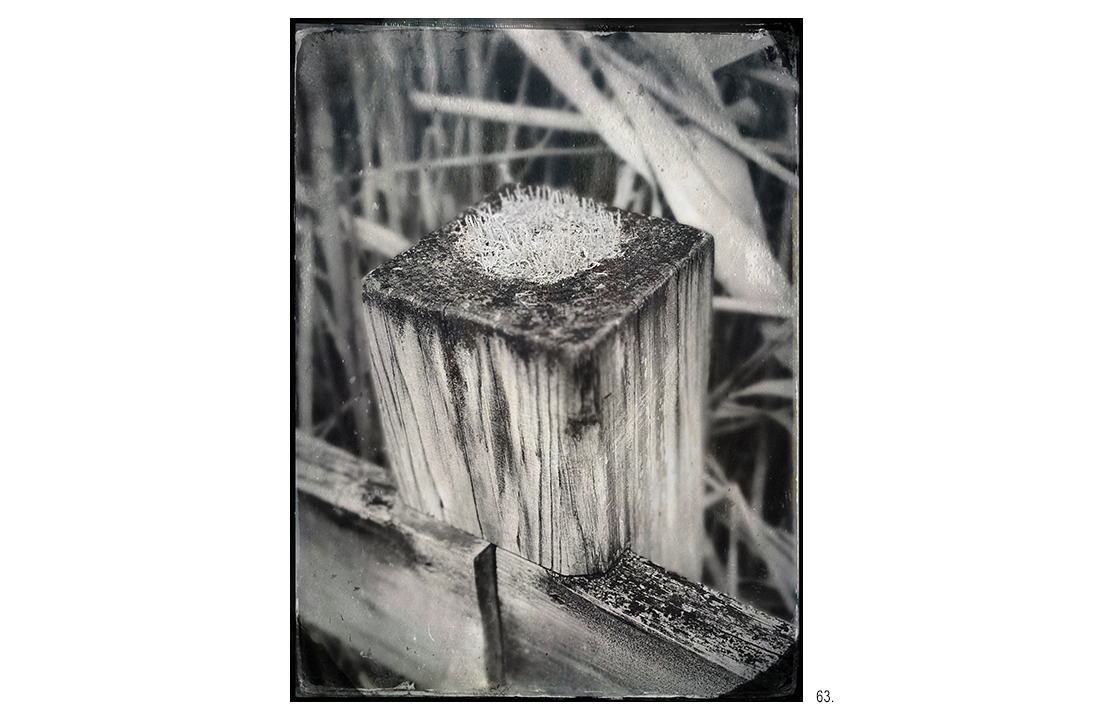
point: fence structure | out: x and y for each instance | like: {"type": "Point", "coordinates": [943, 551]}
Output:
{"type": "Point", "coordinates": [540, 365]}
{"type": "Point", "coordinates": [392, 593]}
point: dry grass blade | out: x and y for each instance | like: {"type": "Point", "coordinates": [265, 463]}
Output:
{"type": "Point", "coordinates": [341, 260]}
{"type": "Point", "coordinates": [776, 548]}
{"type": "Point", "coordinates": [325, 426]}
{"type": "Point", "coordinates": [488, 159]}
{"type": "Point", "coordinates": [703, 113]}
{"type": "Point", "coordinates": [476, 80]}
{"type": "Point", "coordinates": [502, 112]}
{"type": "Point", "coordinates": [549, 53]}
{"type": "Point", "coordinates": [776, 78]}
{"type": "Point", "coordinates": [511, 128]}
{"type": "Point", "coordinates": [730, 417]}
{"type": "Point", "coordinates": [727, 172]}
{"type": "Point", "coordinates": [733, 571]}
{"type": "Point", "coordinates": [687, 64]}
{"type": "Point", "coordinates": [759, 473]}
{"type": "Point", "coordinates": [743, 263]}
{"type": "Point", "coordinates": [781, 542]}
{"type": "Point", "coordinates": [363, 88]}
{"type": "Point", "coordinates": [334, 328]}
{"type": "Point", "coordinates": [725, 49]}
{"type": "Point", "coordinates": [777, 388]}
{"type": "Point", "coordinates": [374, 237]}
{"type": "Point", "coordinates": [323, 232]}
{"type": "Point", "coordinates": [305, 318]}
{"type": "Point", "coordinates": [625, 194]}
{"type": "Point", "coordinates": [774, 347]}
{"type": "Point", "coordinates": [751, 307]}
{"type": "Point", "coordinates": [786, 148]}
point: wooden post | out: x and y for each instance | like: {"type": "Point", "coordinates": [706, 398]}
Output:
{"type": "Point", "coordinates": [554, 412]}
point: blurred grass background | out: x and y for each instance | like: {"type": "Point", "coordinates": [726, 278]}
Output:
{"type": "Point", "coordinates": [397, 130]}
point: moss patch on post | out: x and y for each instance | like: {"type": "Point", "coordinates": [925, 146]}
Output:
{"type": "Point", "coordinates": [540, 235]}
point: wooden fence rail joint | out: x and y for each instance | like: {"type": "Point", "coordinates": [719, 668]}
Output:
{"type": "Point", "coordinates": [486, 587]}
{"type": "Point", "coordinates": [399, 597]}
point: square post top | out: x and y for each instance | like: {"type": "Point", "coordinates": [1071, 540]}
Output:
{"type": "Point", "coordinates": [566, 316]}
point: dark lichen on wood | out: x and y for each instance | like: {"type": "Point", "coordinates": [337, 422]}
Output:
{"type": "Point", "coordinates": [717, 628]}
{"type": "Point", "coordinates": [553, 419]}
{"type": "Point", "coordinates": [431, 280]}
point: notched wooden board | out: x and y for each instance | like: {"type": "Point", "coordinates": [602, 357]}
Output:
{"type": "Point", "coordinates": [717, 628]}
{"type": "Point", "coordinates": [635, 630]}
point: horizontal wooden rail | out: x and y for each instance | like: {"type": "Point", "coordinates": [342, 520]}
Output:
{"type": "Point", "coordinates": [396, 595]}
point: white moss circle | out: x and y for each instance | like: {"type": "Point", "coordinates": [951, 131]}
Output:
{"type": "Point", "coordinates": [540, 235]}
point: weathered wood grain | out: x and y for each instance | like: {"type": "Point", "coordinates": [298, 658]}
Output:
{"type": "Point", "coordinates": [397, 588]}
{"type": "Point", "coordinates": [635, 630]}
{"type": "Point", "coordinates": [340, 478]}
{"type": "Point", "coordinates": [562, 422]}
{"type": "Point", "coordinates": [444, 610]}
